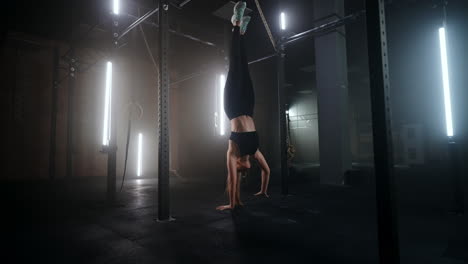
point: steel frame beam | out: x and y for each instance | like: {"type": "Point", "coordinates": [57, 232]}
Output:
{"type": "Point", "coordinates": [196, 74]}
{"type": "Point", "coordinates": [184, 3]}
{"type": "Point", "coordinates": [112, 148]}
{"type": "Point", "coordinates": [138, 22]}
{"type": "Point", "coordinates": [454, 155]}
{"type": "Point", "coordinates": [264, 58]}
{"type": "Point", "coordinates": [282, 129]}
{"type": "Point", "coordinates": [457, 181]}
{"type": "Point", "coordinates": [284, 41]}
{"type": "Point", "coordinates": [181, 5]}
{"type": "Point", "coordinates": [282, 119]}
{"type": "Point", "coordinates": [53, 113]}
{"type": "Point", "coordinates": [70, 112]}
{"type": "Point", "coordinates": [323, 28]}
{"type": "Point", "coordinates": [308, 33]}
{"type": "Point", "coordinates": [382, 132]}
{"type": "Point", "coordinates": [164, 87]}
{"type": "Point", "coordinates": [281, 83]}
{"type": "Point", "coordinates": [180, 34]}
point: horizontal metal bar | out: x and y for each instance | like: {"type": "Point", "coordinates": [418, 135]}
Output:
{"type": "Point", "coordinates": [327, 17]}
{"type": "Point", "coordinates": [138, 22]}
{"type": "Point", "coordinates": [179, 33]}
{"type": "Point", "coordinates": [264, 58]}
{"type": "Point", "coordinates": [194, 75]}
{"type": "Point", "coordinates": [192, 38]}
{"type": "Point", "coordinates": [197, 74]}
{"type": "Point", "coordinates": [327, 26]}
{"type": "Point", "coordinates": [189, 77]}
{"type": "Point", "coordinates": [184, 3]}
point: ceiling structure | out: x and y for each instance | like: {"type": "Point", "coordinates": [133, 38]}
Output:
{"type": "Point", "coordinates": [203, 19]}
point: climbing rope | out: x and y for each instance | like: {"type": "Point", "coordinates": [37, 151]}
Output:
{"type": "Point", "coordinates": [132, 115]}
{"type": "Point", "coordinates": [267, 27]}
{"type": "Point", "coordinates": [129, 129]}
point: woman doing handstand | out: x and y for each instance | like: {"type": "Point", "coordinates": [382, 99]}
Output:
{"type": "Point", "coordinates": [239, 101]}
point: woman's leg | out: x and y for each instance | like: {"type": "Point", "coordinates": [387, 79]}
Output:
{"type": "Point", "coordinates": [247, 86]}
{"type": "Point", "coordinates": [233, 88]}
{"type": "Point", "coordinates": [244, 62]}
{"type": "Point", "coordinates": [235, 52]}
{"type": "Point", "coordinates": [232, 170]}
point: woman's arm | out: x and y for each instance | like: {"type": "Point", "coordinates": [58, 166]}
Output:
{"type": "Point", "coordinates": [232, 182]}
{"type": "Point", "coordinates": [265, 173]}
{"type": "Point", "coordinates": [232, 178]}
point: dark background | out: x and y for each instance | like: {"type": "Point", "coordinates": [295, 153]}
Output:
{"type": "Point", "coordinates": [32, 29]}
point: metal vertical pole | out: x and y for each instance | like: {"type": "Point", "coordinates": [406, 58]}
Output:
{"type": "Point", "coordinates": [282, 120]}
{"type": "Point", "coordinates": [163, 148]}
{"type": "Point", "coordinates": [282, 111]}
{"type": "Point", "coordinates": [457, 182]}
{"type": "Point", "coordinates": [70, 115]}
{"type": "Point", "coordinates": [112, 150]}
{"type": "Point", "coordinates": [382, 132]}
{"type": "Point", "coordinates": [455, 170]}
{"type": "Point", "coordinates": [53, 114]}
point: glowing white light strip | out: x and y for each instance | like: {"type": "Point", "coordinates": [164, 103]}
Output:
{"type": "Point", "coordinates": [140, 154]}
{"type": "Point", "coordinates": [216, 119]}
{"type": "Point", "coordinates": [107, 106]}
{"type": "Point", "coordinates": [283, 21]}
{"type": "Point", "coordinates": [222, 119]}
{"type": "Point", "coordinates": [116, 7]}
{"type": "Point", "coordinates": [445, 79]}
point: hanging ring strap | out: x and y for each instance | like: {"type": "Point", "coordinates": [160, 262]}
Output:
{"type": "Point", "coordinates": [267, 27]}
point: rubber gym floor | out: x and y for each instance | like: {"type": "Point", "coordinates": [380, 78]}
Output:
{"type": "Point", "coordinates": [68, 221]}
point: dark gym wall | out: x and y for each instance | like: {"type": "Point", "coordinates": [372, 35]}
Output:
{"type": "Point", "coordinates": [28, 93]}
{"type": "Point", "coordinates": [25, 101]}
{"type": "Point", "coordinates": [304, 125]}
{"type": "Point", "coordinates": [200, 148]}
{"type": "Point", "coordinates": [27, 71]}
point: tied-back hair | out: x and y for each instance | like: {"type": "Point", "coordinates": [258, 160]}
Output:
{"type": "Point", "coordinates": [243, 173]}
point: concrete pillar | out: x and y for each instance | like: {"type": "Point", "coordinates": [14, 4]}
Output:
{"type": "Point", "coordinates": [332, 90]}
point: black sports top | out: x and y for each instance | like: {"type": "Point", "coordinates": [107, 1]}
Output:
{"type": "Point", "coordinates": [246, 141]}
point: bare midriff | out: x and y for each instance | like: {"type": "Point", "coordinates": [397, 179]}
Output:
{"type": "Point", "coordinates": [242, 123]}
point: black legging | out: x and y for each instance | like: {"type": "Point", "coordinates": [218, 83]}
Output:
{"type": "Point", "coordinates": [239, 97]}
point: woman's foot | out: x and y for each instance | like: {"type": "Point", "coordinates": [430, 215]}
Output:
{"type": "Point", "coordinates": [262, 194]}
{"type": "Point", "coordinates": [244, 23]}
{"type": "Point", "coordinates": [224, 207]}
{"type": "Point", "coordinates": [239, 9]}
{"type": "Point", "coordinates": [235, 22]}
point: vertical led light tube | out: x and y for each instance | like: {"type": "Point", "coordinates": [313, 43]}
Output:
{"type": "Point", "coordinates": [283, 21]}
{"type": "Point", "coordinates": [222, 119]}
{"type": "Point", "coordinates": [107, 106]}
{"type": "Point", "coordinates": [140, 154]}
{"type": "Point", "coordinates": [116, 7]}
{"type": "Point", "coordinates": [445, 80]}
